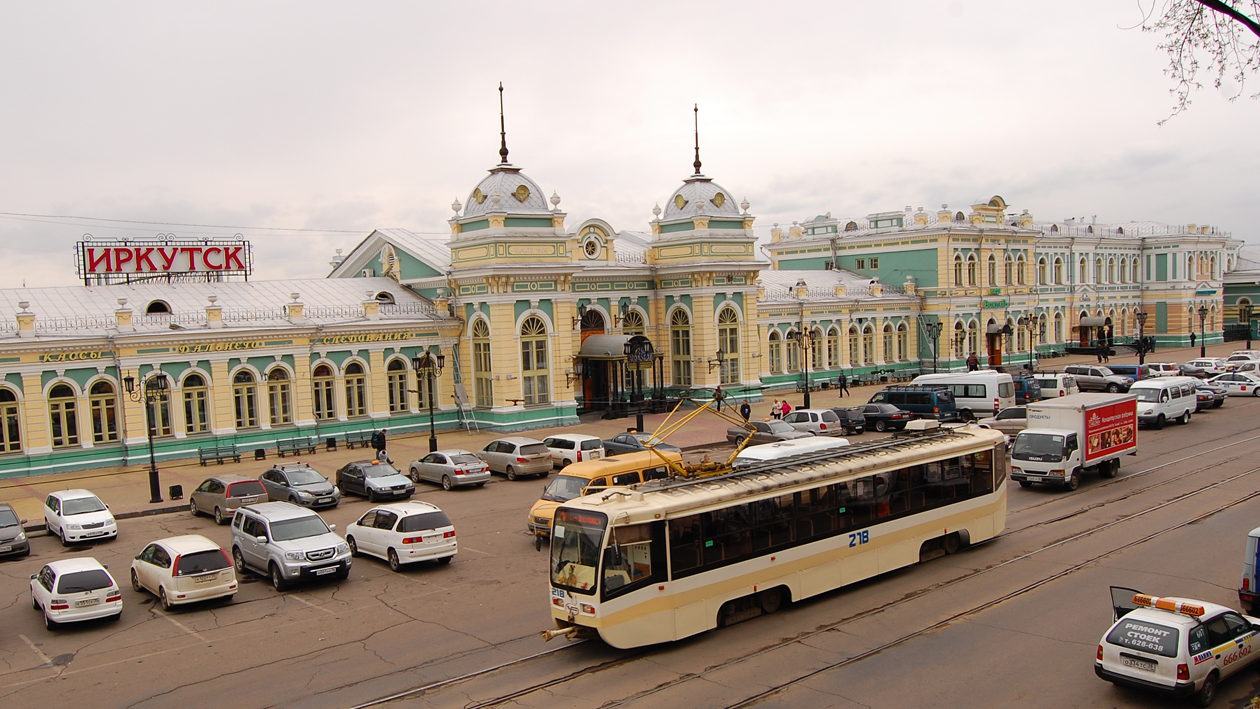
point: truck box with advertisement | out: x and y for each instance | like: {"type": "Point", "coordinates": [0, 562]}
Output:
{"type": "Point", "coordinates": [1069, 435]}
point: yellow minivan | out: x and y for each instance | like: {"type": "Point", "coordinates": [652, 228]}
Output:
{"type": "Point", "coordinates": [591, 476]}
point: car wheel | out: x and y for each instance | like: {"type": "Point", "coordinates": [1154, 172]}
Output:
{"type": "Point", "coordinates": [1109, 468]}
{"type": "Point", "coordinates": [511, 473]}
{"type": "Point", "coordinates": [1184, 419]}
{"type": "Point", "coordinates": [1025, 483]}
{"type": "Point", "coordinates": [446, 482]}
{"type": "Point", "coordinates": [1207, 693]}
{"type": "Point", "coordinates": [342, 489]}
{"type": "Point", "coordinates": [881, 425]}
{"type": "Point", "coordinates": [163, 599]}
{"type": "Point", "coordinates": [135, 582]}
{"type": "Point", "coordinates": [61, 535]}
{"type": "Point", "coordinates": [446, 559]}
{"type": "Point", "coordinates": [1219, 403]}
{"type": "Point", "coordinates": [966, 415]}
{"type": "Point", "coordinates": [1159, 421]}
{"type": "Point", "coordinates": [293, 500]}
{"type": "Point", "coordinates": [354, 547]}
{"type": "Point", "coordinates": [277, 579]}
{"type": "Point", "coordinates": [393, 561]}
{"type": "Point", "coordinates": [371, 495]}
{"type": "Point", "coordinates": [192, 507]}
{"type": "Point", "coordinates": [770, 599]}
{"type": "Point", "coordinates": [1073, 482]}
{"type": "Point", "coordinates": [343, 573]}
{"type": "Point", "coordinates": [952, 543]}
{"type": "Point", "coordinates": [1113, 388]}
{"type": "Point", "coordinates": [1255, 391]}
{"type": "Point", "coordinates": [51, 624]}
{"type": "Point", "coordinates": [238, 561]}
{"type": "Point", "coordinates": [739, 441]}
{"type": "Point", "coordinates": [218, 517]}
{"type": "Point", "coordinates": [414, 475]}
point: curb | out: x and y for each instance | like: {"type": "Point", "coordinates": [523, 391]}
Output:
{"type": "Point", "coordinates": [148, 512]}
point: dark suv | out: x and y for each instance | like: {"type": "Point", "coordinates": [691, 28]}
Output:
{"type": "Point", "coordinates": [852, 421]}
{"type": "Point", "coordinates": [927, 401]}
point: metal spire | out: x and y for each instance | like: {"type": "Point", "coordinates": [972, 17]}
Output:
{"type": "Point", "coordinates": [696, 164]}
{"type": "Point", "coordinates": [503, 151]}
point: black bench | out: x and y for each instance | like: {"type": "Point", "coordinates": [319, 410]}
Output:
{"type": "Point", "coordinates": [218, 454]}
{"type": "Point", "coordinates": [295, 445]}
{"type": "Point", "coordinates": [359, 438]}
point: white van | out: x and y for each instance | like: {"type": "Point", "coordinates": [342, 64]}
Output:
{"type": "Point", "coordinates": [1164, 399]}
{"type": "Point", "coordinates": [976, 394]}
{"type": "Point", "coordinates": [785, 449]}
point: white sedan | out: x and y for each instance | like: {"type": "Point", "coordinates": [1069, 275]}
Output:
{"type": "Point", "coordinates": [404, 532]}
{"type": "Point", "coordinates": [70, 590]}
{"type": "Point", "coordinates": [77, 516]}
{"type": "Point", "coordinates": [1239, 383]}
{"type": "Point", "coordinates": [183, 569]}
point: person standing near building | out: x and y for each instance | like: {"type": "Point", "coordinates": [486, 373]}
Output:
{"type": "Point", "coordinates": [786, 408]}
{"type": "Point", "coordinates": [843, 383]}
{"type": "Point", "coordinates": [745, 410]}
{"type": "Point", "coordinates": [378, 445]}
{"type": "Point", "coordinates": [1192, 338]}
{"type": "Point", "coordinates": [775, 410]}
{"type": "Point", "coordinates": [973, 362]}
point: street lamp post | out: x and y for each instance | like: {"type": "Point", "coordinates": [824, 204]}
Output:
{"type": "Point", "coordinates": [934, 332]}
{"type": "Point", "coordinates": [1031, 324]}
{"type": "Point", "coordinates": [152, 390]}
{"type": "Point", "coordinates": [1141, 321]}
{"type": "Point", "coordinates": [1244, 315]}
{"type": "Point", "coordinates": [805, 341]}
{"type": "Point", "coordinates": [1203, 330]}
{"type": "Point", "coordinates": [638, 351]}
{"type": "Point", "coordinates": [429, 366]}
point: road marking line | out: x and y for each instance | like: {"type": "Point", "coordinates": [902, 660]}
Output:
{"type": "Point", "coordinates": [299, 599]}
{"type": "Point", "coordinates": [468, 548]}
{"type": "Point", "coordinates": [39, 653]}
{"type": "Point", "coordinates": [186, 629]}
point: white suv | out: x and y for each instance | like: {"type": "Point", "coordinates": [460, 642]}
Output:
{"type": "Point", "coordinates": [569, 448]}
{"type": "Point", "coordinates": [288, 543]}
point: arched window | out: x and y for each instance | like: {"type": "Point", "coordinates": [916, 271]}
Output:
{"type": "Point", "coordinates": [1021, 271]}
{"type": "Point", "coordinates": [1082, 275]}
{"type": "Point", "coordinates": [356, 390]}
{"type": "Point", "coordinates": [993, 281]}
{"type": "Point", "coordinates": [279, 397]}
{"type": "Point", "coordinates": [10, 424]}
{"type": "Point", "coordinates": [1020, 329]}
{"type": "Point", "coordinates": [680, 347]}
{"type": "Point", "coordinates": [776, 351]}
{"type": "Point", "coordinates": [245, 399]}
{"type": "Point", "coordinates": [973, 337]}
{"type": "Point", "coordinates": [396, 374]}
{"type": "Point", "coordinates": [1124, 270]}
{"type": "Point", "coordinates": [157, 307]}
{"type": "Point", "coordinates": [1212, 267]}
{"type": "Point", "coordinates": [104, 406]}
{"type": "Point", "coordinates": [958, 270]}
{"type": "Point", "coordinates": [196, 401]}
{"type": "Point", "coordinates": [1058, 271]}
{"type": "Point", "coordinates": [63, 416]}
{"type": "Point", "coordinates": [728, 342]}
{"type": "Point", "coordinates": [632, 323]}
{"type": "Point", "coordinates": [1041, 271]}
{"type": "Point", "coordinates": [1008, 271]}
{"type": "Point", "coordinates": [868, 341]}
{"type": "Point", "coordinates": [160, 410]}
{"type": "Point", "coordinates": [793, 352]}
{"type": "Point", "coordinates": [1111, 270]}
{"type": "Point", "coordinates": [325, 399]}
{"type": "Point", "coordinates": [1058, 327]}
{"type": "Point", "coordinates": [854, 360]}
{"type": "Point", "coordinates": [1098, 270]}
{"type": "Point", "coordinates": [903, 342]}
{"type": "Point", "coordinates": [482, 364]}
{"type": "Point", "coordinates": [887, 343]}
{"type": "Point", "coordinates": [535, 388]}
{"type": "Point", "coordinates": [960, 341]}
{"type": "Point", "coordinates": [971, 270]}
{"type": "Point", "coordinates": [818, 350]}
{"type": "Point", "coordinates": [833, 348]}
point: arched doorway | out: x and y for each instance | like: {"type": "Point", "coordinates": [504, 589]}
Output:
{"type": "Point", "coordinates": [596, 381]}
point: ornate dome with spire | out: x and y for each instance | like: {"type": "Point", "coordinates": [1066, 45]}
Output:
{"type": "Point", "coordinates": [506, 189]}
{"type": "Point", "coordinates": [699, 195]}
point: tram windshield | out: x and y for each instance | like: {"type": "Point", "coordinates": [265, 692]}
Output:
{"type": "Point", "coordinates": [576, 538]}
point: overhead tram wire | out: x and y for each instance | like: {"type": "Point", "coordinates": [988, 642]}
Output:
{"type": "Point", "coordinates": [34, 217]}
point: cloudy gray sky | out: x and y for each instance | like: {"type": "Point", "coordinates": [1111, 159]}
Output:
{"type": "Point", "coordinates": [310, 123]}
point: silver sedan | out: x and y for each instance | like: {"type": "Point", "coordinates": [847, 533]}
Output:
{"type": "Point", "coordinates": [452, 468]}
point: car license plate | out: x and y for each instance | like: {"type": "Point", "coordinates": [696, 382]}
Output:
{"type": "Point", "coordinates": [324, 572]}
{"type": "Point", "coordinates": [86, 602]}
{"type": "Point", "coordinates": [1139, 664]}
{"type": "Point", "coordinates": [207, 578]}
{"type": "Point", "coordinates": [94, 534]}
{"type": "Point", "coordinates": [3, 549]}
{"type": "Point", "coordinates": [323, 500]}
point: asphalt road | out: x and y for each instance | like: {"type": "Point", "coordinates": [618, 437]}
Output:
{"type": "Point", "coordinates": [1011, 622]}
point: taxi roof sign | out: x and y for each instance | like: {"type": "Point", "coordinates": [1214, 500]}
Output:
{"type": "Point", "coordinates": [1168, 604]}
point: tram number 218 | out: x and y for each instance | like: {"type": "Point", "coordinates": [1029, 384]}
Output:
{"type": "Point", "coordinates": [861, 537]}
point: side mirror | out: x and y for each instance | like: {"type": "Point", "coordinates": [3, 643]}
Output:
{"type": "Point", "coordinates": [261, 539]}
{"type": "Point", "coordinates": [22, 522]}
{"type": "Point", "coordinates": [136, 557]}
{"type": "Point", "coordinates": [105, 565]}
{"type": "Point", "coordinates": [34, 576]}
{"type": "Point", "coordinates": [332, 527]}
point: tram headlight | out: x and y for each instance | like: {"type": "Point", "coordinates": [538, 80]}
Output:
{"type": "Point", "coordinates": [588, 609]}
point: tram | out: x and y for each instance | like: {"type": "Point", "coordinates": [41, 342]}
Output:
{"type": "Point", "coordinates": [666, 559]}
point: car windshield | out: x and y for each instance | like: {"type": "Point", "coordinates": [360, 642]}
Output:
{"type": "Point", "coordinates": [780, 427]}
{"type": "Point", "coordinates": [1038, 447]}
{"type": "Point", "coordinates": [84, 581]}
{"type": "Point", "coordinates": [465, 459]}
{"type": "Point", "coordinates": [299, 528]}
{"type": "Point", "coordinates": [379, 471]}
{"type": "Point", "coordinates": [200, 562]}
{"type": "Point", "coordinates": [8, 518]}
{"type": "Point", "coordinates": [533, 449]}
{"type": "Point", "coordinates": [576, 538]}
{"type": "Point", "coordinates": [81, 505]}
{"type": "Point", "coordinates": [1106, 372]}
{"type": "Point", "coordinates": [1145, 636]}
{"type": "Point", "coordinates": [564, 488]}
{"type": "Point", "coordinates": [304, 476]}
{"type": "Point", "coordinates": [245, 489]}
{"type": "Point", "coordinates": [421, 522]}
{"type": "Point", "coordinates": [1151, 395]}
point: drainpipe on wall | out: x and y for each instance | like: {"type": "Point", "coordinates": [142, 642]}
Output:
{"type": "Point", "coordinates": [113, 351]}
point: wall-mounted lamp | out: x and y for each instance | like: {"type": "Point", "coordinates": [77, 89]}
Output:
{"type": "Point", "coordinates": [717, 361]}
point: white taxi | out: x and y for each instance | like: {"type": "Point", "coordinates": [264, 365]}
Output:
{"type": "Point", "coordinates": [1239, 383]}
{"type": "Point", "coordinates": [1174, 646]}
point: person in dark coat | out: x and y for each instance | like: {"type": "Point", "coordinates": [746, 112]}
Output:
{"type": "Point", "coordinates": [973, 362]}
{"type": "Point", "coordinates": [745, 410]}
{"type": "Point", "coordinates": [1192, 338]}
{"type": "Point", "coordinates": [844, 385]}
{"type": "Point", "coordinates": [378, 443]}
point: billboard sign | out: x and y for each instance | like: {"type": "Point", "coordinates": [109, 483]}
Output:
{"type": "Point", "coordinates": [1110, 429]}
{"type": "Point", "coordinates": [126, 260]}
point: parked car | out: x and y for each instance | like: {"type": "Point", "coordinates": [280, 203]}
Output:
{"type": "Point", "coordinates": [1239, 383]}
{"type": "Point", "coordinates": [13, 541]}
{"type": "Point", "coordinates": [373, 479]}
{"type": "Point", "coordinates": [1010, 420]}
{"type": "Point", "coordinates": [764, 432]}
{"type": "Point", "coordinates": [569, 448]}
{"type": "Point", "coordinates": [516, 456]}
{"type": "Point", "coordinates": [1177, 647]}
{"type": "Point", "coordinates": [1056, 384]}
{"type": "Point", "coordinates": [1241, 357]}
{"type": "Point", "coordinates": [820, 422]}
{"type": "Point", "coordinates": [1212, 366]}
{"type": "Point", "coordinates": [852, 421]}
{"type": "Point", "coordinates": [451, 468]}
{"type": "Point", "coordinates": [883, 417]}
{"type": "Point", "coordinates": [1098, 378]}
{"type": "Point", "coordinates": [77, 516]}
{"type": "Point", "coordinates": [929, 401]}
{"type": "Point", "coordinates": [634, 442]}
{"type": "Point", "coordinates": [1250, 365]}
{"type": "Point", "coordinates": [1136, 372]}
{"type": "Point", "coordinates": [300, 484]}
{"type": "Point", "coordinates": [1189, 370]}
{"type": "Point", "coordinates": [223, 494]}
{"type": "Point", "coordinates": [183, 569]}
{"type": "Point", "coordinates": [1027, 388]}
{"type": "Point", "coordinates": [404, 533]}
{"type": "Point", "coordinates": [73, 590]}
{"type": "Point", "coordinates": [1211, 396]}
{"type": "Point", "coordinates": [1165, 369]}
{"type": "Point", "coordinates": [288, 543]}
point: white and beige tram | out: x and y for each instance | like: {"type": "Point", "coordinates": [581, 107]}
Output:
{"type": "Point", "coordinates": [666, 559]}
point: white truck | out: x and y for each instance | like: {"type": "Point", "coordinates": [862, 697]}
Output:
{"type": "Point", "coordinates": [1071, 434]}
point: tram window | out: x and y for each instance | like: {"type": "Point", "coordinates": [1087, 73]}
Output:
{"type": "Point", "coordinates": [684, 541]}
{"type": "Point", "coordinates": [636, 560]}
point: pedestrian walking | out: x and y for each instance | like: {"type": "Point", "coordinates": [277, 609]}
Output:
{"type": "Point", "coordinates": [973, 362]}
{"type": "Point", "coordinates": [745, 410]}
{"type": "Point", "coordinates": [844, 385]}
{"type": "Point", "coordinates": [378, 444]}
{"type": "Point", "coordinates": [787, 408]}
{"type": "Point", "coordinates": [1192, 338]}
{"type": "Point", "coordinates": [717, 396]}
{"type": "Point", "coordinates": [776, 409]}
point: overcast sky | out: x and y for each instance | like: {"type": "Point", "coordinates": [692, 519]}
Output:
{"type": "Point", "coordinates": [353, 116]}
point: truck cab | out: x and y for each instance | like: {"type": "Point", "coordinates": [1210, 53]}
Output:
{"type": "Point", "coordinates": [1046, 455]}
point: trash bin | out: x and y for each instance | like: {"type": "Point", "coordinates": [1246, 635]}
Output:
{"type": "Point", "coordinates": [331, 443]}
{"type": "Point", "coordinates": [260, 454]}
{"type": "Point", "coordinates": [176, 492]}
